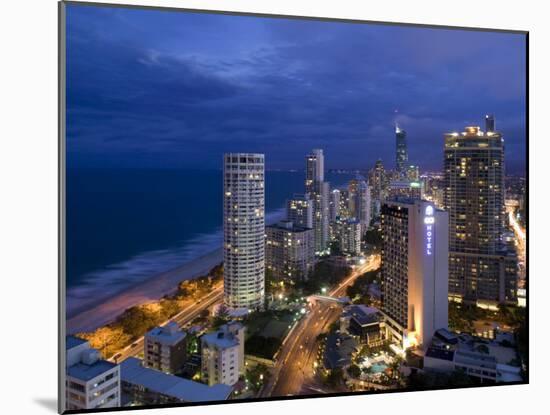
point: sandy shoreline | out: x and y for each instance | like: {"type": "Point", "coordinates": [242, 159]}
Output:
{"type": "Point", "coordinates": [151, 289]}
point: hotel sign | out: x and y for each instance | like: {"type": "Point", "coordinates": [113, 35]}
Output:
{"type": "Point", "coordinates": [429, 221]}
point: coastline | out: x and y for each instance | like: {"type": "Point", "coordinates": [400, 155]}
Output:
{"type": "Point", "coordinates": [154, 288]}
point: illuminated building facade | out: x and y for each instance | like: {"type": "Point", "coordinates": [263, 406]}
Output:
{"type": "Point", "coordinates": [222, 354]}
{"type": "Point", "coordinates": [290, 252]}
{"type": "Point", "coordinates": [401, 153]}
{"type": "Point", "coordinates": [318, 191]}
{"type": "Point", "coordinates": [92, 383]}
{"type": "Point", "coordinates": [349, 234]}
{"type": "Point", "coordinates": [405, 189]}
{"type": "Point", "coordinates": [334, 205]}
{"type": "Point", "coordinates": [414, 271]}
{"type": "Point", "coordinates": [244, 230]}
{"type": "Point", "coordinates": [378, 184]}
{"type": "Point", "coordinates": [360, 202]}
{"type": "Point", "coordinates": [480, 269]}
{"type": "Point", "coordinates": [299, 210]}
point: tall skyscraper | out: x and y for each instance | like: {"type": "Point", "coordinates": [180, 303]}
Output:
{"type": "Point", "coordinates": [360, 202]}
{"type": "Point", "coordinates": [299, 210]}
{"type": "Point", "coordinates": [244, 230]}
{"type": "Point", "coordinates": [480, 269]}
{"type": "Point", "coordinates": [315, 169]}
{"type": "Point", "coordinates": [401, 153]}
{"type": "Point", "coordinates": [490, 123]}
{"type": "Point", "coordinates": [318, 191]}
{"type": "Point", "coordinates": [414, 270]}
{"type": "Point", "coordinates": [378, 183]}
{"type": "Point", "coordinates": [334, 205]}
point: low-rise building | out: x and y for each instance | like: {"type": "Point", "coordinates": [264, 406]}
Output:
{"type": "Point", "coordinates": [166, 348]}
{"type": "Point", "coordinates": [222, 354]}
{"type": "Point", "coordinates": [487, 361]}
{"type": "Point", "coordinates": [91, 383]}
{"type": "Point", "coordinates": [339, 351]}
{"type": "Point", "coordinates": [366, 323]}
{"type": "Point", "coordinates": [145, 386]}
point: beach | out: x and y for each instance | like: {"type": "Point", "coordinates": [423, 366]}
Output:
{"type": "Point", "coordinates": [154, 288]}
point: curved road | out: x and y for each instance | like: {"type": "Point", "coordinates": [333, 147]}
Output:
{"type": "Point", "coordinates": [299, 350]}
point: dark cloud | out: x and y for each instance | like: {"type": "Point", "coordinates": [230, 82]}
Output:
{"type": "Point", "coordinates": [149, 88]}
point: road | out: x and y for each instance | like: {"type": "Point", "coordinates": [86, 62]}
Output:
{"type": "Point", "coordinates": [299, 350]}
{"type": "Point", "coordinates": [521, 244]}
{"type": "Point", "coordinates": [182, 318]}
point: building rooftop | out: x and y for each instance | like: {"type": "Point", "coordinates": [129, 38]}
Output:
{"type": "Point", "coordinates": [362, 314]}
{"type": "Point", "coordinates": [223, 338]}
{"type": "Point", "coordinates": [86, 372]}
{"type": "Point", "coordinates": [443, 354]}
{"type": "Point", "coordinates": [338, 351]}
{"type": "Point", "coordinates": [73, 341]}
{"type": "Point", "coordinates": [288, 226]}
{"type": "Point", "coordinates": [169, 334]}
{"type": "Point", "coordinates": [131, 371]}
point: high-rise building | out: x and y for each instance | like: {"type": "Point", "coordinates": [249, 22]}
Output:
{"type": "Point", "coordinates": [290, 253]}
{"type": "Point", "coordinates": [343, 210]}
{"type": "Point", "coordinates": [92, 383]}
{"type": "Point", "coordinates": [480, 269]}
{"type": "Point", "coordinates": [165, 348]}
{"type": "Point", "coordinates": [349, 233]}
{"type": "Point", "coordinates": [244, 230]}
{"type": "Point", "coordinates": [315, 169]}
{"type": "Point", "coordinates": [318, 191]}
{"type": "Point", "coordinates": [414, 271]}
{"type": "Point", "coordinates": [413, 173]}
{"type": "Point", "coordinates": [401, 153]}
{"type": "Point", "coordinates": [299, 210]}
{"type": "Point", "coordinates": [223, 354]}
{"type": "Point", "coordinates": [360, 202]}
{"type": "Point", "coordinates": [378, 184]}
{"type": "Point", "coordinates": [334, 205]}
{"type": "Point", "coordinates": [490, 123]}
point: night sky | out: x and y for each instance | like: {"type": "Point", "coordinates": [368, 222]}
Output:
{"type": "Point", "coordinates": [148, 88]}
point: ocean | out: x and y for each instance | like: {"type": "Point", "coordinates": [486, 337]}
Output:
{"type": "Point", "coordinates": [127, 225]}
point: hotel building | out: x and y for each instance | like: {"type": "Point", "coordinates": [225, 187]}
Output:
{"type": "Point", "coordinates": [481, 270]}
{"type": "Point", "coordinates": [166, 348]}
{"type": "Point", "coordinates": [414, 271]}
{"type": "Point", "coordinates": [290, 252]}
{"type": "Point", "coordinates": [222, 354]}
{"type": "Point", "coordinates": [92, 383]}
{"type": "Point", "coordinates": [244, 230]}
